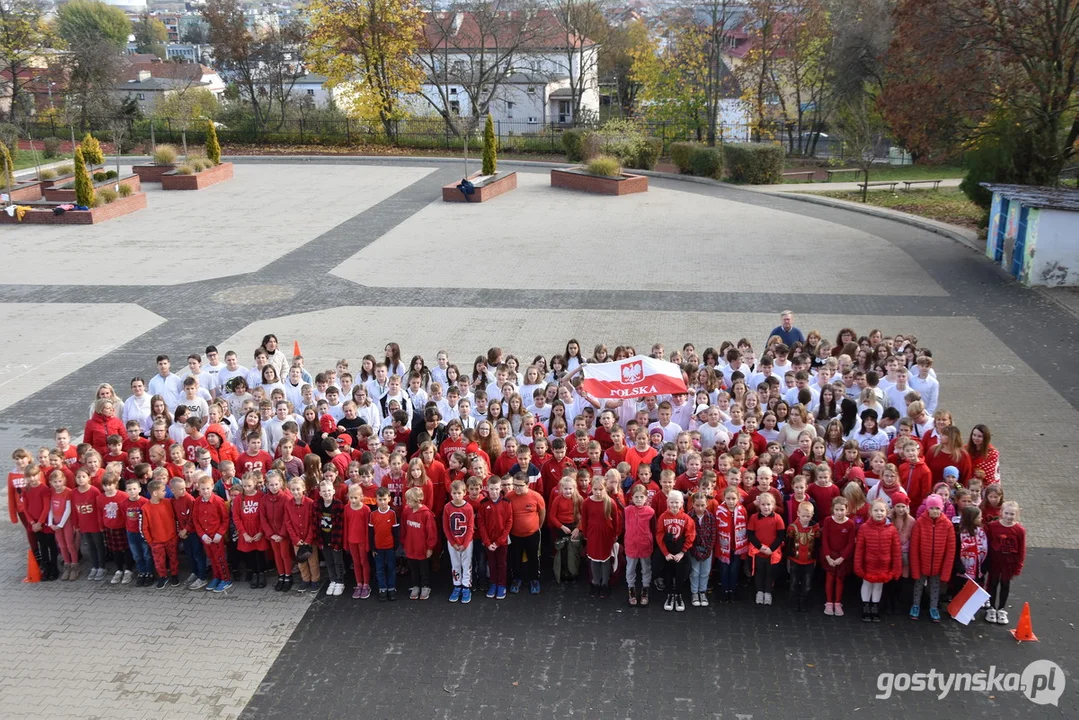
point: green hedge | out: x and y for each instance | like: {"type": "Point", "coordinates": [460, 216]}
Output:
{"type": "Point", "coordinates": [755, 164]}
{"type": "Point", "coordinates": [648, 154]}
{"type": "Point", "coordinates": [696, 159]}
{"type": "Point", "coordinates": [680, 152]}
{"type": "Point", "coordinates": [573, 144]}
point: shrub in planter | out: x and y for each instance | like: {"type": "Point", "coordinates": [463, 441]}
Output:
{"type": "Point", "coordinates": [604, 166]}
{"type": "Point", "coordinates": [91, 150]}
{"type": "Point", "coordinates": [47, 175]}
{"type": "Point", "coordinates": [52, 146]}
{"type": "Point", "coordinates": [706, 162]}
{"type": "Point", "coordinates": [680, 152]}
{"type": "Point", "coordinates": [490, 152]}
{"type": "Point", "coordinates": [65, 170]}
{"type": "Point", "coordinates": [754, 164]}
{"type": "Point", "coordinates": [100, 176]}
{"type": "Point", "coordinates": [110, 174]}
{"type": "Point", "coordinates": [84, 188]}
{"type": "Point", "coordinates": [185, 169]}
{"type": "Point", "coordinates": [125, 190]}
{"type": "Point", "coordinates": [165, 155]}
{"type": "Point", "coordinates": [573, 144]}
{"type": "Point", "coordinates": [213, 148]}
{"type": "Point", "coordinates": [107, 195]}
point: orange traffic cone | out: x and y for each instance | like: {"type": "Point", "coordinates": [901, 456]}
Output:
{"type": "Point", "coordinates": [33, 572]}
{"type": "Point", "coordinates": [296, 348]}
{"type": "Point", "coordinates": [1024, 632]}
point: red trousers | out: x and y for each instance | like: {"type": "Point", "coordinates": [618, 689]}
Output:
{"type": "Point", "coordinates": [29, 532]}
{"type": "Point", "coordinates": [218, 559]}
{"type": "Point", "coordinates": [361, 563]}
{"type": "Point", "coordinates": [282, 556]}
{"type": "Point", "coordinates": [165, 557]}
{"type": "Point", "coordinates": [496, 564]}
{"type": "Point", "coordinates": [833, 587]}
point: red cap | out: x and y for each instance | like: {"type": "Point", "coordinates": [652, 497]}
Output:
{"type": "Point", "coordinates": [900, 498]}
{"type": "Point", "coordinates": [345, 439]}
{"type": "Point", "coordinates": [856, 473]}
{"type": "Point", "coordinates": [472, 448]}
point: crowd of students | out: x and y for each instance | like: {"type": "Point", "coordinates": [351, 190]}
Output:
{"type": "Point", "coordinates": [806, 463]}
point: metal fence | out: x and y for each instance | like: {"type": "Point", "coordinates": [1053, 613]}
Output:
{"type": "Point", "coordinates": [429, 134]}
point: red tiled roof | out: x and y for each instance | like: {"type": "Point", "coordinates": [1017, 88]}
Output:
{"type": "Point", "coordinates": [461, 31]}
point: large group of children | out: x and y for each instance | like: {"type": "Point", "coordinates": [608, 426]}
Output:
{"type": "Point", "coordinates": [804, 464]}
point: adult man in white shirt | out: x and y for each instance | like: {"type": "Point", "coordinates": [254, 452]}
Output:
{"type": "Point", "coordinates": [170, 387]}
{"type": "Point", "coordinates": [212, 367]}
{"type": "Point", "coordinates": [233, 369]}
{"type": "Point", "coordinates": [670, 429]}
{"type": "Point", "coordinates": [895, 394]}
{"type": "Point", "coordinates": [925, 382]}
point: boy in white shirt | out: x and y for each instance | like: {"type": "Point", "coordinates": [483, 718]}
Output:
{"type": "Point", "coordinates": [165, 384]}
{"type": "Point", "coordinates": [333, 399]}
{"type": "Point", "coordinates": [670, 429]}
{"type": "Point", "coordinates": [925, 382]}
{"type": "Point", "coordinates": [394, 392]}
{"type": "Point", "coordinates": [232, 369]}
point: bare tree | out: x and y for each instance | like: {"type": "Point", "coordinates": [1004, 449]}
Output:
{"type": "Point", "coordinates": [475, 47]}
{"type": "Point", "coordinates": [581, 29]}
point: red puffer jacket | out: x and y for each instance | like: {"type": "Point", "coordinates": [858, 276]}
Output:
{"type": "Point", "coordinates": [878, 557]}
{"type": "Point", "coordinates": [932, 548]}
{"type": "Point", "coordinates": [98, 428]}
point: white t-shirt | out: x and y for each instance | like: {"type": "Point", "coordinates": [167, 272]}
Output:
{"type": "Point", "coordinates": [871, 442]}
{"type": "Point", "coordinates": [929, 389]}
{"type": "Point", "coordinates": [138, 409]}
{"type": "Point", "coordinates": [670, 433]}
{"type": "Point", "coordinates": [170, 388]}
{"type": "Point", "coordinates": [711, 435]}
{"type": "Point", "coordinates": [224, 375]}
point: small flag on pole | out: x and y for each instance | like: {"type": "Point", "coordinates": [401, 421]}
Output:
{"type": "Point", "coordinates": [966, 604]}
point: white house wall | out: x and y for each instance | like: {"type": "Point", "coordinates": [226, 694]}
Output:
{"type": "Point", "coordinates": [1055, 242]}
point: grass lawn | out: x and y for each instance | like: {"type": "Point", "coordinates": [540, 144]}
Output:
{"type": "Point", "coordinates": [948, 205]}
{"type": "Point", "coordinates": [25, 159]}
{"type": "Point", "coordinates": [887, 172]}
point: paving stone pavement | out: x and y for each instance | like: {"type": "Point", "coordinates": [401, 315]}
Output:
{"type": "Point", "coordinates": [118, 652]}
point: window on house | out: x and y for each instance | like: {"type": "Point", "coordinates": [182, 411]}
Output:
{"type": "Point", "coordinates": [455, 107]}
{"type": "Point", "coordinates": [509, 105]}
{"type": "Point", "coordinates": [532, 121]}
{"type": "Point", "coordinates": [311, 92]}
{"type": "Point", "coordinates": [531, 89]}
{"type": "Point", "coordinates": [453, 91]}
{"type": "Point", "coordinates": [141, 96]}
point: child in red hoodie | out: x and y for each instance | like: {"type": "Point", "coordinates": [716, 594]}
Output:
{"type": "Point", "coordinates": [250, 541]}
{"type": "Point", "coordinates": [211, 519]}
{"type": "Point", "coordinates": [183, 504]}
{"type": "Point", "coordinates": [458, 525]}
{"type": "Point", "coordinates": [159, 529]}
{"type": "Point", "coordinates": [675, 533]}
{"type": "Point", "coordinates": [640, 544]}
{"type": "Point", "coordinates": [131, 508]}
{"type": "Point", "coordinates": [496, 518]}
{"type": "Point", "coordinates": [300, 522]}
{"type": "Point", "coordinates": [914, 475]}
{"type": "Point", "coordinates": [419, 537]}
{"type": "Point", "coordinates": [932, 552]}
{"type": "Point", "coordinates": [765, 534]}
{"type": "Point", "coordinates": [600, 526]}
{"type": "Point", "coordinates": [357, 518]}
{"type": "Point", "coordinates": [272, 523]}
{"type": "Point", "coordinates": [86, 500]}
{"type": "Point", "coordinates": [878, 558]}
{"type": "Point", "coordinates": [1007, 554]}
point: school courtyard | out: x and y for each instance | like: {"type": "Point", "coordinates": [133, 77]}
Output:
{"type": "Point", "coordinates": [345, 255]}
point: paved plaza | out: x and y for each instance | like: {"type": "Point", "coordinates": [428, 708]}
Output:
{"type": "Point", "coordinates": [346, 255]}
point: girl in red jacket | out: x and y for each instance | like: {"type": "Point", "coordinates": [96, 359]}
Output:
{"type": "Point", "coordinates": [1007, 553]}
{"type": "Point", "coordinates": [303, 535]}
{"type": "Point", "coordinates": [419, 537]}
{"type": "Point", "coordinates": [564, 520]}
{"type": "Point", "coordinates": [765, 534]}
{"type": "Point", "coordinates": [675, 533]}
{"type": "Point", "coordinates": [732, 544]}
{"type": "Point", "coordinates": [877, 558]}
{"type": "Point", "coordinates": [251, 541]}
{"type": "Point", "coordinates": [837, 553]}
{"type": "Point", "coordinates": [932, 552]}
{"type": "Point", "coordinates": [639, 518]}
{"type": "Point", "coordinates": [356, 521]}
{"type": "Point", "coordinates": [600, 527]}
{"type": "Point", "coordinates": [86, 502]}
{"type": "Point", "coordinates": [272, 510]}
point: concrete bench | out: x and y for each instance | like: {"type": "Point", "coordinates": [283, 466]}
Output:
{"type": "Point", "coordinates": [890, 183]}
{"type": "Point", "coordinates": [908, 183]}
{"type": "Point", "coordinates": [808, 174]}
{"type": "Point", "coordinates": [857, 172]}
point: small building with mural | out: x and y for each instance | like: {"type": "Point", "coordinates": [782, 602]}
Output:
{"type": "Point", "coordinates": [1034, 233]}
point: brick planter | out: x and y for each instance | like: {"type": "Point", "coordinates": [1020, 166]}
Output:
{"type": "Point", "coordinates": [501, 183]}
{"type": "Point", "coordinates": [59, 195]}
{"type": "Point", "coordinates": [152, 173]}
{"type": "Point", "coordinates": [62, 180]}
{"type": "Point", "coordinates": [25, 192]}
{"type": "Point", "coordinates": [43, 215]}
{"type": "Point", "coordinates": [199, 180]}
{"type": "Point", "coordinates": [579, 179]}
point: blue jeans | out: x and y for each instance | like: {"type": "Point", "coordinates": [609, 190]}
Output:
{"type": "Point", "coordinates": [728, 573]}
{"type": "Point", "coordinates": [386, 569]}
{"type": "Point", "coordinates": [698, 574]}
{"type": "Point", "coordinates": [140, 551]}
{"type": "Point", "coordinates": [196, 554]}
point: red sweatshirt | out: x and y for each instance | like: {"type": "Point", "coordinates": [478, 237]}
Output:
{"type": "Point", "coordinates": [496, 518]}
{"type": "Point", "coordinates": [87, 510]}
{"type": "Point", "coordinates": [111, 516]}
{"type": "Point", "coordinates": [210, 517]}
{"type": "Point", "coordinates": [676, 526]}
{"type": "Point", "coordinates": [356, 523]}
{"type": "Point", "coordinates": [36, 504]}
{"type": "Point", "coordinates": [159, 522]}
{"type": "Point", "coordinates": [917, 480]}
{"type": "Point", "coordinates": [418, 532]}
{"type": "Point", "coordinates": [300, 521]}
{"type": "Point", "coordinates": [272, 511]}
{"type": "Point", "coordinates": [245, 515]}
{"type": "Point", "coordinates": [183, 507]}
{"type": "Point", "coordinates": [16, 483]}
{"type": "Point", "coordinates": [132, 511]}
{"type": "Point", "coordinates": [600, 532]}
{"type": "Point", "coordinates": [822, 499]}
{"type": "Point", "coordinates": [260, 462]}
{"type": "Point", "coordinates": [458, 523]}
{"type": "Point", "coordinates": [560, 511]}
{"type": "Point", "coordinates": [837, 541]}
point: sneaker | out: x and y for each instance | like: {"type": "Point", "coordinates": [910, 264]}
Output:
{"type": "Point", "coordinates": [990, 615]}
{"type": "Point", "coordinates": [199, 584]}
{"type": "Point", "coordinates": [92, 575]}
{"type": "Point", "coordinates": [414, 593]}
{"type": "Point", "coordinates": [988, 604]}
{"type": "Point", "coordinates": [191, 578]}
{"type": "Point", "coordinates": [934, 615]}
{"type": "Point", "coordinates": [382, 596]}
{"type": "Point", "coordinates": [668, 604]}
{"type": "Point", "coordinates": [492, 589]}
{"type": "Point", "coordinates": [300, 589]}
{"type": "Point", "coordinates": [162, 583]}
{"type": "Point", "coordinates": [632, 598]}
{"type": "Point", "coordinates": [915, 612]}
{"type": "Point", "coordinates": [212, 585]}
{"type": "Point", "coordinates": [534, 587]}
{"type": "Point", "coordinates": [515, 587]}
{"type": "Point", "coordinates": [365, 591]}
{"type": "Point", "coordinates": [829, 608]}
{"type": "Point", "coordinates": [117, 577]}
{"type": "Point", "coordinates": [466, 596]}
{"type": "Point", "coordinates": [1002, 617]}
{"type": "Point", "coordinates": [128, 577]}
{"type": "Point", "coordinates": [760, 598]}
{"type": "Point", "coordinates": [644, 598]}
{"type": "Point", "coordinates": [356, 592]}
{"type": "Point", "coordinates": [425, 593]}
{"type": "Point", "coordinates": [838, 610]}
{"type": "Point", "coordinates": [704, 599]}
{"type": "Point", "coordinates": [501, 593]}
{"type": "Point", "coordinates": [456, 594]}
{"type": "Point", "coordinates": [767, 598]}
{"type": "Point", "coordinates": [223, 586]}
{"type": "Point", "coordinates": [696, 601]}
{"type": "Point", "coordinates": [174, 580]}
{"type": "Point", "coordinates": [679, 603]}
{"type": "Point", "coordinates": [661, 585]}
{"type": "Point", "coordinates": [391, 594]}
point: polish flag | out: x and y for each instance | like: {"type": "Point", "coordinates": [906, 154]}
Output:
{"type": "Point", "coordinates": [633, 377]}
{"type": "Point", "coordinates": [968, 602]}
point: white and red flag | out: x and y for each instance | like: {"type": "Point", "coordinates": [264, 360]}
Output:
{"type": "Point", "coordinates": [633, 378]}
{"type": "Point", "coordinates": [969, 601]}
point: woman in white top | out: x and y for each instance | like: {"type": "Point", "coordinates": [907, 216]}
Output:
{"type": "Point", "coordinates": [394, 366]}
{"type": "Point", "coordinates": [572, 357]}
{"type": "Point", "coordinates": [870, 438]}
{"type": "Point", "coordinates": [532, 382]}
{"type": "Point", "coordinates": [270, 381]}
{"type": "Point", "coordinates": [137, 407]}
{"type": "Point", "coordinates": [797, 422]}
{"type": "Point", "coordinates": [371, 412]}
